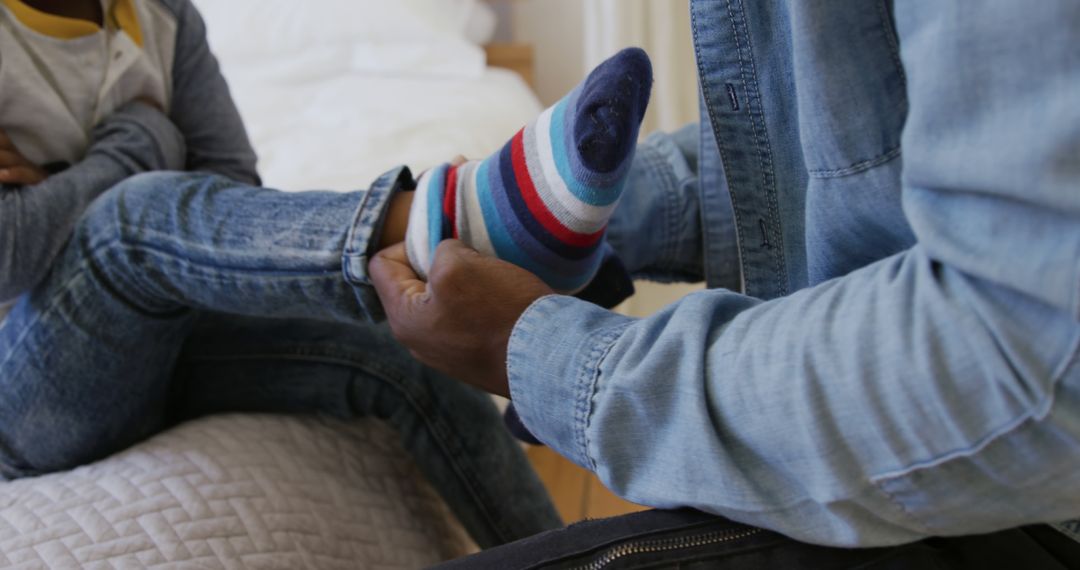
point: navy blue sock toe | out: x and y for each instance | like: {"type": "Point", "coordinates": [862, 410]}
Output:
{"type": "Point", "coordinates": [610, 107]}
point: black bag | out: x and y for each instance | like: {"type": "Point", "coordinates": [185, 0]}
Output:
{"type": "Point", "coordinates": [691, 540]}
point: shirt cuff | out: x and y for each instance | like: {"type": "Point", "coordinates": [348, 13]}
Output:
{"type": "Point", "coordinates": [656, 230]}
{"type": "Point", "coordinates": [364, 232]}
{"type": "Point", "coordinates": [553, 363]}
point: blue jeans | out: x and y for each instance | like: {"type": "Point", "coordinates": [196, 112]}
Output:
{"type": "Point", "coordinates": [185, 294]}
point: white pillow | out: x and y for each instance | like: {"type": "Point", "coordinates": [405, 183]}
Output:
{"type": "Point", "coordinates": [479, 20]}
{"type": "Point", "coordinates": [245, 30]}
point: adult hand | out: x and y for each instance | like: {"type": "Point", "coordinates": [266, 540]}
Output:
{"type": "Point", "coordinates": [460, 321]}
{"type": "Point", "coordinates": [15, 168]}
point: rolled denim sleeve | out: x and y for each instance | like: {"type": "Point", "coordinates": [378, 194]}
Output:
{"type": "Point", "coordinates": [875, 409]}
{"type": "Point", "coordinates": [656, 230]}
{"type": "Point", "coordinates": [934, 392]}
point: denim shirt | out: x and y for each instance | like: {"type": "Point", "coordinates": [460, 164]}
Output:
{"type": "Point", "coordinates": [885, 203]}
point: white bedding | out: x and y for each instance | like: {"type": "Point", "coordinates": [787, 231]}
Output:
{"type": "Point", "coordinates": [336, 92]}
{"type": "Point", "coordinates": [237, 492]}
{"type": "Point", "coordinates": [315, 127]}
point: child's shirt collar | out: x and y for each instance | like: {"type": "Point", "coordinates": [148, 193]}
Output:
{"type": "Point", "coordinates": [121, 15]}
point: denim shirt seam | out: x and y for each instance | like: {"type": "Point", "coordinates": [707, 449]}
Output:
{"type": "Point", "coordinates": [780, 278]}
{"type": "Point", "coordinates": [860, 166]}
{"type": "Point", "coordinates": [765, 160]}
{"type": "Point", "coordinates": [882, 481]}
{"type": "Point", "coordinates": [911, 518]}
{"type": "Point", "coordinates": [588, 382]}
{"type": "Point", "coordinates": [889, 31]}
{"type": "Point", "coordinates": [712, 113]}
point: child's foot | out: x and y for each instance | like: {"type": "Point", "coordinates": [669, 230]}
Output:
{"type": "Point", "coordinates": [543, 201]}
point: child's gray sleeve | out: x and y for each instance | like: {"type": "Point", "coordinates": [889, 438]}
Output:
{"type": "Point", "coordinates": [36, 221]}
{"type": "Point", "coordinates": [201, 105]}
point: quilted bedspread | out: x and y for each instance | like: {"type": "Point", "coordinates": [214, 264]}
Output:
{"type": "Point", "coordinates": [235, 492]}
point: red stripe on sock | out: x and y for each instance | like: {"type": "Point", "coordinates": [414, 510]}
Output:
{"type": "Point", "coordinates": [536, 203]}
{"type": "Point", "coordinates": [450, 200]}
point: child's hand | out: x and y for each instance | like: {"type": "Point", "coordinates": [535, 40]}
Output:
{"type": "Point", "coordinates": [15, 169]}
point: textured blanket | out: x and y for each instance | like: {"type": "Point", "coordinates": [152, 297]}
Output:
{"type": "Point", "coordinates": [236, 492]}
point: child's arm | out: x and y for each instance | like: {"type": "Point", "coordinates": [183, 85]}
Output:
{"type": "Point", "coordinates": [36, 220]}
{"type": "Point", "coordinates": [201, 104]}
{"type": "Point", "coordinates": [16, 168]}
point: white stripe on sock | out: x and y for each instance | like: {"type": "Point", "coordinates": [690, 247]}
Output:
{"type": "Point", "coordinates": [597, 215]}
{"type": "Point", "coordinates": [416, 237]}
{"type": "Point", "coordinates": [474, 230]}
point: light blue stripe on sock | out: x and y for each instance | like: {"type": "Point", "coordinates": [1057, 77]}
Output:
{"type": "Point", "coordinates": [436, 188]}
{"type": "Point", "coordinates": [506, 248]}
{"type": "Point", "coordinates": [583, 192]}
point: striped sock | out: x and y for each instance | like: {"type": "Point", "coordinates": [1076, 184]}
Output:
{"type": "Point", "coordinates": [544, 200]}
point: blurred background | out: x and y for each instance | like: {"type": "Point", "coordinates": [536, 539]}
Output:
{"type": "Point", "coordinates": [570, 37]}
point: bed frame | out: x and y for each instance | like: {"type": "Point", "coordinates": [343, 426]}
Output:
{"type": "Point", "coordinates": [517, 57]}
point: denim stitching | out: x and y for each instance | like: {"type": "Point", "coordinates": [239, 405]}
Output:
{"type": "Point", "coordinates": [764, 148]}
{"type": "Point", "coordinates": [780, 278]}
{"type": "Point", "coordinates": [602, 348]}
{"type": "Point", "coordinates": [582, 405]}
{"type": "Point", "coordinates": [902, 509]}
{"type": "Point", "coordinates": [888, 30]}
{"type": "Point", "coordinates": [439, 430]}
{"type": "Point", "coordinates": [369, 218]}
{"type": "Point", "coordinates": [880, 481]}
{"type": "Point", "coordinates": [713, 119]}
{"type": "Point", "coordinates": [181, 261]}
{"type": "Point", "coordinates": [858, 167]}
{"type": "Point", "coordinates": [1045, 405]}
{"type": "Point", "coordinates": [378, 188]}
{"type": "Point", "coordinates": [356, 244]}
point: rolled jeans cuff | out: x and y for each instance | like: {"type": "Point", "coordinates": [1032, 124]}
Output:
{"type": "Point", "coordinates": [363, 237]}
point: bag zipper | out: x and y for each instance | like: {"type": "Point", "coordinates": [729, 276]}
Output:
{"type": "Point", "coordinates": [664, 544]}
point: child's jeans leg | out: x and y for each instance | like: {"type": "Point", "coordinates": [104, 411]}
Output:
{"type": "Point", "coordinates": [453, 432]}
{"type": "Point", "coordinates": [87, 357]}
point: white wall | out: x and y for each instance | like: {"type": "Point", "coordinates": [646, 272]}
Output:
{"type": "Point", "coordinates": [662, 28]}
{"type": "Point", "coordinates": [572, 36]}
{"type": "Point", "coordinates": [556, 29]}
